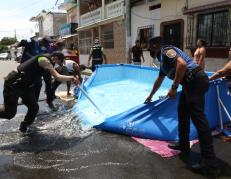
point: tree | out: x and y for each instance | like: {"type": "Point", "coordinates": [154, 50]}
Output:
{"type": "Point", "coordinates": [5, 42]}
{"type": "Point", "coordinates": [3, 48]}
{"type": "Point", "coordinates": [8, 41]}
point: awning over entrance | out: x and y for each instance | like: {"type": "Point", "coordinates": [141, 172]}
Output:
{"type": "Point", "coordinates": [222, 4]}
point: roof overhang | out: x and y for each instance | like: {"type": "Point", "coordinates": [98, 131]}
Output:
{"type": "Point", "coordinates": [102, 22]}
{"type": "Point", "coordinates": [215, 6]}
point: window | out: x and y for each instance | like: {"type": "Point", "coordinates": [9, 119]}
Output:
{"type": "Point", "coordinates": [151, 8]}
{"type": "Point", "coordinates": [85, 42]}
{"type": "Point", "coordinates": [108, 36]}
{"type": "Point", "coordinates": [144, 34]}
{"type": "Point", "coordinates": [214, 28]}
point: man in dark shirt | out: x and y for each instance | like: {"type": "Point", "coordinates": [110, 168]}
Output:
{"type": "Point", "coordinates": [137, 53]}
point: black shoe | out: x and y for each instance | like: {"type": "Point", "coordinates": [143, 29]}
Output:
{"type": "Point", "coordinates": [52, 107]}
{"type": "Point", "coordinates": [23, 128]}
{"type": "Point", "coordinates": [177, 146]}
{"type": "Point", "coordinates": [211, 172]}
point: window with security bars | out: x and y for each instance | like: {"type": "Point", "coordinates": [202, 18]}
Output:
{"type": "Point", "coordinates": [85, 42]}
{"type": "Point", "coordinates": [214, 28]}
{"type": "Point", "coordinates": [108, 36]}
{"type": "Point", "coordinates": [144, 34]}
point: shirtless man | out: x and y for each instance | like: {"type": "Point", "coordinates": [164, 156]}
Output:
{"type": "Point", "coordinates": [200, 53]}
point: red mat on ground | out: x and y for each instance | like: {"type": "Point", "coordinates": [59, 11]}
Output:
{"type": "Point", "coordinates": [160, 147]}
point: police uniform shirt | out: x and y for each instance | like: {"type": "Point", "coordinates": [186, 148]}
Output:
{"type": "Point", "coordinates": [92, 48]}
{"type": "Point", "coordinates": [97, 51]}
{"type": "Point", "coordinates": [45, 63]}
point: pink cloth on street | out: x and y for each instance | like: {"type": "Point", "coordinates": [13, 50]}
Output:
{"type": "Point", "coordinates": [160, 147]}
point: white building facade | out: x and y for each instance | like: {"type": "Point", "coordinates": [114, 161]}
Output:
{"type": "Point", "coordinates": [49, 22]}
{"type": "Point", "coordinates": [145, 23]}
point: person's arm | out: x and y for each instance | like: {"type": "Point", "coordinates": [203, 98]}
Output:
{"type": "Point", "coordinates": [155, 87]}
{"type": "Point", "coordinates": [105, 59]}
{"type": "Point", "coordinates": [226, 70]}
{"type": "Point", "coordinates": [45, 64]}
{"type": "Point", "coordinates": [131, 55]}
{"type": "Point", "coordinates": [62, 78]}
{"type": "Point", "coordinates": [181, 68]}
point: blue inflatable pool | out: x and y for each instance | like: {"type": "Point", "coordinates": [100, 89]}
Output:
{"type": "Point", "coordinates": [120, 90]}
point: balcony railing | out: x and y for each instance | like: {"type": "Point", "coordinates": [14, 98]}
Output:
{"type": "Point", "coordinates": [115, 9]}
{"type": "Point", "coordinates": [91, 17]}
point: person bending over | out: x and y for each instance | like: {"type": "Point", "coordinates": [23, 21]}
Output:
{"type": "Point", "coordinates": [177, 66]}
{"type": "Point", "coordinates": [20, 83]}
{"type": "Point", "coordinates": [66, 67]}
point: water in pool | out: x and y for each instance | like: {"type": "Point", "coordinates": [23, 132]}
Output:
{"type": "Point", "coordinates": [114, 98]}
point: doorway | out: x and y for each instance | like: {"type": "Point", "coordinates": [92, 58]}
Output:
{"type": "Point", "coordinates": [173, 33]}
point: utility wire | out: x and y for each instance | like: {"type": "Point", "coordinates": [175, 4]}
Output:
{"type": "Point", "coordinates": [56, 2]}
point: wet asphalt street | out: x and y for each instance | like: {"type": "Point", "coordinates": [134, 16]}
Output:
{"type": "Point", "coordinates": [57, 147]}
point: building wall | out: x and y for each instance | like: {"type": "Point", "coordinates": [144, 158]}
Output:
{"type": "Point", "coordinates": [117, 54]}
{"type": "Point", "coordinates": [213, 64]}
{"type": "Point", "coordinates": [217, 57]}
{"type": "Point", "coordinates": [141, 16]}
{"type": "Point", "coordinates": [173, 9]}
{"type": "Point", "coordinates": [51, 24]}
{"type": "Point", "coordinates": [72, 15]}
{"type": "Point", "coordinates": [195, 3]}
{"type": "Point", "coordinates": [59, 20]}
{"type": "Point", "coordinates": [48, 25]}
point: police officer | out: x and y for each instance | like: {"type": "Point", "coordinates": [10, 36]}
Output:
{"type": "Point", "coordinates": [33, 48]}
{"type": "Point", "coordinates": [97, 55]}
{"type": "Point", "coordinates": [177, 66]}
{"type": "Point", "coordinates": [20, 83]}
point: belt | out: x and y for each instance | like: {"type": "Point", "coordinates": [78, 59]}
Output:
{"type": "Point", "coordinates": [190, 74]}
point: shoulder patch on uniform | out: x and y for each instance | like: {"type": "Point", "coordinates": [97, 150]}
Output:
{"type": "Point", "coordinates": [171, 53]}
{"type": "Point", "coordinates": [41, 59]}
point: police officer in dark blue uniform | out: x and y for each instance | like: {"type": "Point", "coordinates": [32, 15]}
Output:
{"type": "Point", "coordinates": [97, 55]}
{"type": "Point", "coordinates": [177, 66]}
